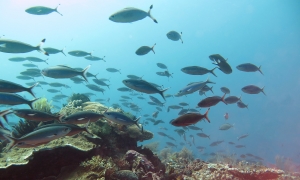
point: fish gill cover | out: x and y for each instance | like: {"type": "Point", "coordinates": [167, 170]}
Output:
{"type": "Point", "coordinates": [95, 57]}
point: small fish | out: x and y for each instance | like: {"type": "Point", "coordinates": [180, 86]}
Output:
{"type": "Point", "coordinates": [211, 101]}
{"type": "Point", "coordinates": [248, 67]}
{"type": "Point", "coordinates": [17, 59]}
{"type": "Point", "coordinates": [243, 136]}
{"type": "Point", "coordinates": [216, 143]}
{"type": "Point", "coordinates": [124, 89]}
{"type": "Point", "coordinates": [120, 118]}
{"type": "Point", "coordinates": [30, 65]}
{"type": "Point", "coordinates": [156, 101]}
{"type": "Point", "coordinates": [174, 107]}
{"type": "Point", "coordinates": [183, 111]}
{"type": "Point", "coordinates": [144, 50]}
{"type": "Point", "coordinates": [252, 89]}
{"type": "Point", "coordinates": [11, 87]}
{"type": "Point", "coordinates": [225, 126]}
{"type": "Point", "coordinates": [225, 90]}
{"type": "Point", "coordinates": [226, 116]}
{"type": "Point", "coordinates": [12, 46]}
{"type": "Point", "coordinates": [193, 87]}
{"type": "Point", "coordinates": [79, 53]}
{"type": "Point", "coordinates": [240, 104]}
{"type": "Point", "coordinates": [25, 77]}
{"type": "Point", "coordinates": [240, 146]}
{"type": "Point", "coordinates": [50, 50]}
{"type": "Point", "coordinates": [183, 104]}
{"type": "Point", "coordinates": [56, 84]}
{"type": "Point", "coordinates": [41, 10]}
{"type": "Point", "coordinates": [158, 121]}
{"type": "Point", "coordinates": [161, 65]}
{"type": "Point", "coordinates": [143, 86]}
{"type": "Point", "coordinates": [189, 119]}
{"type": "Point", "coordinates": [174, 36]}
{"type": "Point", "coordinates": [94, 58]}
{"type": "Point", "coordinates": [130, 14]}
{"type": "Point", "coordinates": [232, 99]}
{"type": "Point", "coordinates": [60, 72]}
{"type": "Point", "coordinates": [95, 88]}
{"type": "Point", "coordinates": [162, 133]}
{"type": "Point", "coordinates": [155, 114]}
{"type": "Point", "coordinates": [203, 135]}
{"type": "Point", "coordinates": [82, 118]}
{"type": "Point", "coordinates": [171, 144]}
{"type": "Point", "coordinates": [113, 70]}
{"type": "Point", "coordinates": [194, 128]}
{"type": "Point", "coordinates": [196, 70]}
{"type": "Point", "coordinates": [222, 63]}
{"type": "Point", "coordinates": [101, 83]}
{"type": "Point", "coordinates": [35, 115]}
{"type": "Point", "coordinates": [15, 99]}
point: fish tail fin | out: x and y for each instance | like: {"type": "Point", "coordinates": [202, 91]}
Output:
{"type": "Point", "coordinates": [240, 98]}
{"type": "Point", "coordinates": [84, 73]}
{"type": "Point", "coordinates": [152, 49]}
{"type": "Point", "coordinates": [211, 89]}
{"type": "Point", "coordinates": [96, 75]}
{"type": "Point", "coordinates": [40, 49]}
{"type": "Point", "coordinates": [103, 59]}
{"type": "Point", "coordinates": [30, 89]}
{"type": "Point", "coordinates": [62, 51]}
{"type": "Point", "coordinates": [208, 81]}
{"type": "Point", "coordinates": [136, 122]}
{"type": "Point", "coordinates": [208, 137]}
{"type": "Point", "coordinates": [206, 115]}
{"type": "Point", "coordinates": [260, 70]}
{"type": "Point", "coordinates": [212, 71]}
{"type": "Point", "coordinates": [149, 14]}
{"type": "Point", "coordinates": [4, 113]}
{"type": "Point", "coordinates": [60, 117]}
{"type": "Point", "coordinates": [181, 38]}
{"type": "Point", "coordinates": [162, 93]}
{"type": "Point", "coordinates": [223, 100]}
{"type": "Point", "coordinates": [262, 90]}
{"type": "Point", "coordinates": [57, 10]}
{"type": "Point", "coordinates": [30, 103]}
{"type": "Point", "coordinates": [12, 142]}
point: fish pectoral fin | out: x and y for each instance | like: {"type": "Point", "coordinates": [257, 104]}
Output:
{"type": "Point", "coordinates": [80, 119]}
{"type": "Point", "coordinates": [31, 114]}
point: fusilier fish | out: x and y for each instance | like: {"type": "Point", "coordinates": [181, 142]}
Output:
{"type": "Point", "coordinates": [113, 70]}
{"type": "Point", "coordinates": [211, 101]}
{"type": "Point", "coordinates": [17, 59]}
{"type": "Point", "coordinates": [189, 119]}
{"type": "Point", "coordinates": [130, 14]}
{"type": "Point", "coordinates": [60, 72]}
{"type": "Point", "coordinates": [225, 90]}
{"type": "Point", "coordinates": [39, 136]}
{"type": "Point", "coordinates": [248, 67]}
{"type": "Point", "coordinates": [252, 89]}
{"type": "Point", "coordinates": [240, 104]}
{"type": "Point", "coordinates": [243, 136]}
{"type": "Point", "coordinates": [79, 53]}
{"type": "Point", "coordinates": [143, 86]}
{"type": "Point", "coordinates": [12, 46]}
{"type": "Point", "coordinates": [174, 36]}
{"type": "Point", "coordinates": [15, 99]}
{"type": "Point", "coordinates": [232, 99]}
{"type": "Point", "coordinates": [11, 87]}
{"type": "Point", "coordinates": [82, 118]}
{"type": "Point", "coordinates": [94, 58]}
{"type": "Point", "coordinates": [35, 115]}
{"type": "Point", "coordinates": [101, 83]}
{"type": "Point", "coordinates": [144, 50]}
{"type": "Point", "coordinates": [95, 88]}
{"type": "Point", "coordinates": [193, 87]}
{"type": "Point", "coordinates": [225, 126]}
{"type": "Point", "coordinates": [196, 70]}
{"type": "Point", "coordinates": [120, 118]}
{"type": "Point", "coordinates": [161, 65]}
{"type": "Point", "coordinates": [35, 59]}
{"type": "Point", "coordinates": [203, 135]}
{"type": "Point", "coordinates": [41, 10]}
{"type": "Point", "coordinates": [50, 50]}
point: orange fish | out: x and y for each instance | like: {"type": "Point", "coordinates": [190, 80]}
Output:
{"type": "Point", "coordinates": [226, 116]}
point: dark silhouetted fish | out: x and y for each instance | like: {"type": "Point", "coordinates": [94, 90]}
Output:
{"type": "Point", "coordinates": [252, 89]}
{"type": "Point", "coordinates": [189, 119]}
{"type": "Point", "coordinates": [196, 70]}
{"type": "Point", "coordinates": [174, 36]}
{"type": "Point", "coordinates": [144, 50]}
{"type": "Point", "coordinates": [248, 67]}
{"type": "Point", "coordinates": [15, 99]}
{"type": "Point", "coordinates": [211, 101]}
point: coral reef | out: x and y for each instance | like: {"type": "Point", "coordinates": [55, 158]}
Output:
{"type": "Point", "coordinates": [78, 99]}
{"type": "Point", "coordinates": [23, 127]}
{"type": "Point", "coordinates": [152, 146]}
{"type": "Point", "coordinates": [42, 104]}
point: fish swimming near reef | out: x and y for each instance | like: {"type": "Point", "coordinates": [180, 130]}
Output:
{"type": "Point", "coordinates": [189, 119]}
{"type": "Point", "coordinates": [41, 10]}
{"type": "Point", "coordinates": [82, 118]}
{"type": "Point", "coordinates": [60, 72]}
{"type": "Point", "coordinates": [35, 115]}
{"type": "Point", "coordinates": [12, 46]}
{"type": "Point", "coordinates": [11, 87]}
{"type": "Point", "coordinates": [15, 99]}
{"type": "Point", "coordinates": [174, 36]}
{"type": "Point", "coordinates": [39, 136]}
{"type": "Point", "coordinates": [120, 118]}
{"type": "Point", "coordinates": [130, 14]}
{"type": "Point", "coordinates": [143, 86]}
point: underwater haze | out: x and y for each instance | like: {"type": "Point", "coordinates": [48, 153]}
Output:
{"type": "Point", "coordinates": [264, 33]}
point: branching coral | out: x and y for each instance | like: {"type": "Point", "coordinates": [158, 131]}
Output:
{"type": "Point", "coordinates": [98, 163]}
{"type": "Point", "coordinates": [24, 127]}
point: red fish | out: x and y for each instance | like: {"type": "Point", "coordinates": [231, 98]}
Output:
{"type": "Point", "coordinates": [226, 116]}
{"type": "Point", "coordinates": [189, 119]}
{"type": "Point", "coordinates": [211, 101]}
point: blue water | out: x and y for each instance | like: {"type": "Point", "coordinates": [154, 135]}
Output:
{"type": "Point", "coordinates": [265, 33]}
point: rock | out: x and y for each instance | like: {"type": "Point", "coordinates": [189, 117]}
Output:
{"type": "Point", "coordinates": [124, 174]}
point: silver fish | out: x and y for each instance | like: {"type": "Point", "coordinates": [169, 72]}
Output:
{"type": "Point", "coordinates": [95, 88]}
{"type": "Point", "coordinates": [144, 50]}
{"type": "Point", "coordinates": [225, 126]}
{"type": "Point", "coordinates": [41, 10]}
{"type": "Point", "coordinates": [113, 70]}
{"type": "Point", "coordinates": [143, 86]}
{"type": "Point", "coordinates": [60, 71]}
{"type": "Point", "coordinates": [94, 58]}
{"type": "Point", "coordinates": [248, 67]}
{"type": "Point", "coordinates": [193, 87]}
{"type": "Point", "coordinates": [11, 87]}
{"type": "Point", "coordinates": [161, 65]}
{"type": "Point", "coordinates": [130, 14]}
{"type": "Point", "coordinates": [12, 46]}
{"type": "Point", "coordinates": [174, 36]}
{"type": "Point", "coordinates": [252, 89]}
{"type": "Point", "coordinates": [79, 53]}
{"type": "Point", "coordinates": [15, 99]}
{"type": "Point", "coordinates": [50, 50]}
{"type": "Point", "coordinates": [82, 118]}
{"type": "Point", "coordinates": [39, 136]}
